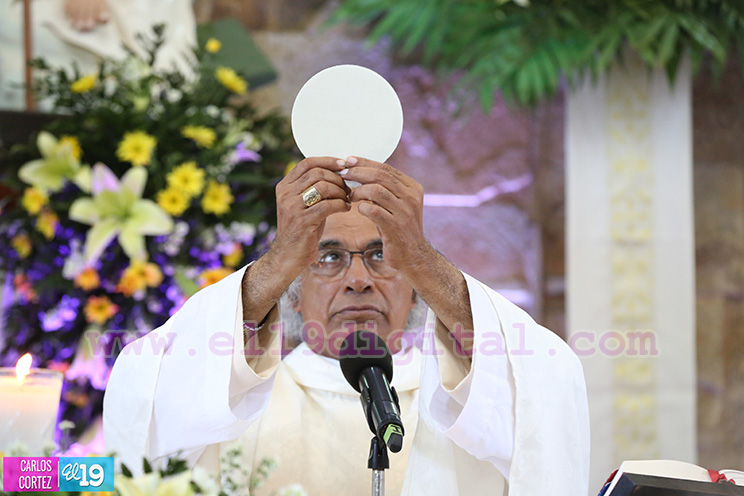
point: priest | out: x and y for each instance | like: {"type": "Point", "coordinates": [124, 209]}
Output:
{"type": "Point", "coordinates": [491, 402]}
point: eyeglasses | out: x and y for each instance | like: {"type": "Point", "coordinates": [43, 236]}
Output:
{"type": "Point", "coordinates": [333, 262]}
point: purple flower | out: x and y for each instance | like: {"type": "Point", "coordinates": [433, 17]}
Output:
{"type": "Point", "coordinates": [243, 154]}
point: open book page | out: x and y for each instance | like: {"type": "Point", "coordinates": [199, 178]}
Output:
{"type": "Point", "coordinates": [670, 468]}
{"type": "Point", "coordinates": [733, 475]}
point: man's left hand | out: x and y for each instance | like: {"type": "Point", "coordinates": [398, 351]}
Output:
{"type": "Point", "coordinates": [395, 203]}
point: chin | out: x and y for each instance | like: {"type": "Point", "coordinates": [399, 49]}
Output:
{"type": "Point", "coordinates": [335, 338]}
{"type": "Point", "coordinates": [375, 324]}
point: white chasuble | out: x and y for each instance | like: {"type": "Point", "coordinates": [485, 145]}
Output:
{"type": "Point", "coordinates": [513, 422]}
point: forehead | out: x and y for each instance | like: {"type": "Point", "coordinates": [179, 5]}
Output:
{"type": "Point", "coordinates": [350, 228]}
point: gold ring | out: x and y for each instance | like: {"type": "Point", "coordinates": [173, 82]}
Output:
{"type": "Point", "coordinates": [311, 196]}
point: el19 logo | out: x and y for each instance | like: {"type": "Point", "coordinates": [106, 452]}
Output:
{"type": "Point", "coordinates": [86, 474]}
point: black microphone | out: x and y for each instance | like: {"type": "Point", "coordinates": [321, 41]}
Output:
{"type": "Point", "coordinates": [368, 366]}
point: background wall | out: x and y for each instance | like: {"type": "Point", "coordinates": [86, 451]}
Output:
{"type": "Point", "coordinates": [515, 241]}
{"type": "Point", "coordinates": [718, 151]}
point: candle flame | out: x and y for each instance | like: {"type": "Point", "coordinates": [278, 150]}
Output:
{"type": "Point", "coordinates": [23, 367]}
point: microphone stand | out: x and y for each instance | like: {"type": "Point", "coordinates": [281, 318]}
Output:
{"type": "Point", "coordinates": [378, 461]}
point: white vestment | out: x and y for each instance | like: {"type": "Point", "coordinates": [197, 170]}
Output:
{"type": "Point", "coordinates": [515, 421]}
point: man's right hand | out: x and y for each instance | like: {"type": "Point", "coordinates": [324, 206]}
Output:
{"type": "Point", "coordinates": [299, 228]}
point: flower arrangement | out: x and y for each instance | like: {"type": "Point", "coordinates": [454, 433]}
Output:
{"type": "Point", "coordinates": [147, 185]}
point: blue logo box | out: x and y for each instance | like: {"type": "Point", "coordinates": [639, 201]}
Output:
{"type": "Point", "coordinates": [91, 473]}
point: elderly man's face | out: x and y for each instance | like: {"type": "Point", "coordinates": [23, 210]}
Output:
{"type": "Point", "coordinates": [355, 299]}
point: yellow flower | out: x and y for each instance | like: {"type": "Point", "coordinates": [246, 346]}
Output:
{"type": "Point", "coordinates": [173, 201]}
{"type": "Point", "coordinates": [47, 223]}
{"type": "Point", "coordinates": [138, 276]}
{"type": "Point", "coordinates": [33, 200]}
{"type": "Point", "coordinates": [231, 80]}
{"type": "Point", "coordinates": [99, 309]}
{"type": "Point", "coordinates": [153, 276]}
{"type": "Point", "coordinates": [74, 146]}
{"type": "Point", "coordinates": [84, 84]}
{"type": "Point", "coordinates": [291, 165]}
{"type": "Point", "coordinates": [130, 283]}
{"type": "Point", "coordinates": [202, 136]}
{"type": "Point", "coordinates": [211, 276]}
{"type": "Point", "coordinates": [21, 244]}
{"type": "Point", "coordinates": [188, 178]}
{"type": "Point", "coordinates": [213, 45]}
{"type": "Point", "coordinates": [234, 257]}
{"type": "Point", "coordinates": [136, 147]}
{"type": "Point", "coordinates": [87, 279]}
{"type": "Point", "coordinates": [217, 198]}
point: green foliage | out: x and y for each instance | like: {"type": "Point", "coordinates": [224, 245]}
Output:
{"type": "Point", "coordinates": [526, 49]}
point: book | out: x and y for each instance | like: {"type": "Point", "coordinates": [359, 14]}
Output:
{"type": "Point", "coordinates": [661, 474]}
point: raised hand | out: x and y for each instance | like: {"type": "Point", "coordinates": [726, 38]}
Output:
{"type": "Point", "coordinates": [395, 203]}
{"type": "Point", "coordinates": [301, 214]}
{"type": "Point", "coordinates": [85, 15]}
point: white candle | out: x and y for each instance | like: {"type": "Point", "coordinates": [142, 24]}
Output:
{"type": "Point", "coordinates": [28, 407]}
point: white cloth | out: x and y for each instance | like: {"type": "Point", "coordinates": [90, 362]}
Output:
{"type": "Point", "coordinates": [519, 416]}
{"type": "Point", "coordinates": [62, 45]}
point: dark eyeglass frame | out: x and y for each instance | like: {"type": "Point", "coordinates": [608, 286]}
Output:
{"type": "Point", "coordinates": [371, 265]}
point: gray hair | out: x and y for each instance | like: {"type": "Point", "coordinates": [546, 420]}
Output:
{"type": "Point", "coordinates": [293, 321]}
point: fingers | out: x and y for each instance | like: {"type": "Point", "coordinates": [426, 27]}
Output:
{"type": "Point", "coordinates": [85, 14]}
{"type": "Point", "coordinates": [323, 163]}
{"type": "Point", "coordinates": [368, 171]}
{"type": "Point", "coordinates": [378, 195]}
{"type": "Point", "coordinates": [314, 172]}
{"type": "Point", "coordinates": [102, 12]}
{"type": "Point", "coordinates": [377, 214]}
{"type": "Point", "coordinates": [318, 175]}
{"type": "Point", "coordinates": [324, 208]}
{"type": "Point", "coordinates": [328, 191]}
{"type": "Point", "coordinates": [383, 185]}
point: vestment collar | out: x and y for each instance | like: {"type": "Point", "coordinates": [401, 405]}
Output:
{"type": "Point", "coordinates": [311, 370]}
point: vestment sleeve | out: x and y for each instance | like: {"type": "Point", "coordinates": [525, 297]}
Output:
{"type": "Point", "coordinates": [520, 403]}
{"type": "Point", "coordinates": [187, 384]}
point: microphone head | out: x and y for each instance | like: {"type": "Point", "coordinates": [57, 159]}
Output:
{"type": "Point", "coordinates": [363, 349]}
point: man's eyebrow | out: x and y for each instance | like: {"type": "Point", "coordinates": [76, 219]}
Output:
{"type": "Point", "coordinates": [375, 243]}
{"type": "Point", "coordinates": [334, 243]}
{"type": "Point", "coordinates": [329, 243]}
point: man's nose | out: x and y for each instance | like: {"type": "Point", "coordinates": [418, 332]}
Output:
{"type": "Point", "coordinates": [357, 278]}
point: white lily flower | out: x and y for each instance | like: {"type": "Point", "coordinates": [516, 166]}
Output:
{"type": "Point", "coordinates": [56, 166]}
{"type": "Point", "coordinates": [117, 209]}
